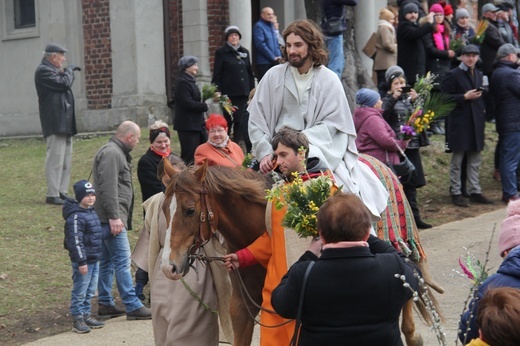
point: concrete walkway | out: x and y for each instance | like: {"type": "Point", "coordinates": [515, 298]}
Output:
{"type": "Point", "coordinates": [443, 245]}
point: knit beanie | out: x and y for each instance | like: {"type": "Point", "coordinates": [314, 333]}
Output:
{"type": "Point", "coordinates": [410, 7]}
{"type": "Point", "coordinates": [447, 9]}
{"type": "Point", "coordinates": [83, 188]}
{"type": "Point", "coordinates": [393, 72]}
{"type": "Point", "coordinates": [386, 14]}
{"type": "Point", "coordinates": [509, 236]}
{"type": "Point", "coordinates": [232, 29]}
{"type": "Point", "coordinates": [187, 61]}
{"type": "Point", "coordinates": [461, 13]}
{"type": "Point", "coordinates": [437, 8]}
{"type": "Point", "coordinates": [367, 97]}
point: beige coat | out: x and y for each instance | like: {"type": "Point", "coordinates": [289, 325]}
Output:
{"type": "Point", "coordinates": [177, 318]}
{"type": "Point", "coordinates": [386, 46]}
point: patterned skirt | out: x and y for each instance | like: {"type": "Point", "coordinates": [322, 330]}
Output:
{"type": "Point", "coordinates": [397, 224]}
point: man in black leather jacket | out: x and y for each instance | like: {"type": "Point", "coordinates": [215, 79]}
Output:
{"type": "Point", "coordinates": [57, 117]}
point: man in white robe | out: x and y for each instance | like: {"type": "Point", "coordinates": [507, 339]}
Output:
{"type": "Point", "coordinates": [305, 95]}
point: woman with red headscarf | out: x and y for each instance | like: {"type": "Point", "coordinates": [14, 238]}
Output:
{"type": "Point", "coordinates": [219, 150]}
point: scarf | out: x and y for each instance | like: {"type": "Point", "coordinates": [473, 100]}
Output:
{"type": "Point", "coordinates": [345, 244]}
{"type": "Point", "coordinates": [159, 153]}
{"type": "Point", "coordinates": [382, 22]}
{"type": "Point", "coordinates": [221, 145]}
{"type": "Point", "coordinates": [441, 42]}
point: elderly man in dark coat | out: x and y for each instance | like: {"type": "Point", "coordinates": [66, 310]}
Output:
{"type": "Point", "coordinates": [57, 117]}
{"type": "Point", "coordinates": [466, 124]}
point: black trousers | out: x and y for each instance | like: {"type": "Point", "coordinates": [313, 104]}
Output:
{"type": "Point", "coordinates": [189, 141]}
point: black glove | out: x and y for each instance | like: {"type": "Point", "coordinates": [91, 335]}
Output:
{"type": "Point", "coordinates": [74, 67]}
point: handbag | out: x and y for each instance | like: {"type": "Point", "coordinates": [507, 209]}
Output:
{"type": "Point", "coordinates": [403, 168]}
{"type": "Point", "coordinates": [294, 340]}
{"type": "Point", "coordinates": [370, 47]}
{"type": "Point", "coordinates": [333, 27]}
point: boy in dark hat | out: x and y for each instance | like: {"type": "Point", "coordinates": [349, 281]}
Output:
{"type": "Point", "coordinates": [83, 238]}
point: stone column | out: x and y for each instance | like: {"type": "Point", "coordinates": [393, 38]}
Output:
{"type": "Point", "coordinates": [367, 15]}
{"type": "Point", "coordinates": [195, 34]}
{"type": "Point", "coordinates": [240, 15]}
{"type": "Point", "coordinates": [139, 91]}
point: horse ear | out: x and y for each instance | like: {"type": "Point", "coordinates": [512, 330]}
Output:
{"type": "Point", "coordinates": [169, 169]}
{"type": "Point", "coordinates": [200, 173]}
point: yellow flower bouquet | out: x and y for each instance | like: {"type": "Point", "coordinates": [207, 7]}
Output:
{"type": "Point", "coordinates": [303, 199]}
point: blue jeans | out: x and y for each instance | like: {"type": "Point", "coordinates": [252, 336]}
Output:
{"type": "Point", "coordinates": [509, 157]}
{"type": "Point", "coordinates": [84, 289]}
{"type": "Point", "coordinates": [336, 54]}
{"type": "Point", "coordinates": [115, 258]}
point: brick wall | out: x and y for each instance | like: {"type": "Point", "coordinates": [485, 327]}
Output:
{"type": "Point", "coordinates": [218, 21]}
{"type": "Point", "coordinates": [98, 56]}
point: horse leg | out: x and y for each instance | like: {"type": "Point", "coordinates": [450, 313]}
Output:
{"type": "Point", "coordinates": [408, 326]}
{"type": "Point", "coordinates": [242, 311]}
{"type": "Point", "coordinates": [425, 271]}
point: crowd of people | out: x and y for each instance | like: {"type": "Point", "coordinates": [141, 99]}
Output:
{"type": "Point", "coordinates": [299, 104]}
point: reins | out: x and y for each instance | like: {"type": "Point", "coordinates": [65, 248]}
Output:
{"type": "Point", "coordinates": [208, 217]}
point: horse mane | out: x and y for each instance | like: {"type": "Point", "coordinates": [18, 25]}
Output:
{"type": "Point", "coordinates": [221, 180]}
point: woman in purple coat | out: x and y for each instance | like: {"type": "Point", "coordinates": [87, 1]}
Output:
{"type": "Point", "coordinates": [374, 136]}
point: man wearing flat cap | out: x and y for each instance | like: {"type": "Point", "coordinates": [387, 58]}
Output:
{"type": "Point", "coordinates": [57, 117]}
{"type": "Point", "coordinates": [505, 89]}
{"type": "Point", "coordinates": [465, 126]}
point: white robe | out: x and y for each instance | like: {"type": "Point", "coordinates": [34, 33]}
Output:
{"type": "Point", "coordinates": [327, 123]}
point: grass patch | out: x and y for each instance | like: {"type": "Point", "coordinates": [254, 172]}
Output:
{"type": "Point", "coordinates": [37, 268]}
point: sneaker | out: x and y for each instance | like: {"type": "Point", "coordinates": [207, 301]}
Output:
{"type": "Point", "coordinates": [479, 198]}
{"type": "Point", "coordinates": [143, 313]}
{"type": "Point", "coordinates": [459, 201]}
{"type": "Point", "coordinates": [92, 322]}
{"type": "Point", "coordinates": [109, 311]}
{"type": "Point", "coordinates": [80, 326]}
{"type": "Point", "coordinates": [422, 225]}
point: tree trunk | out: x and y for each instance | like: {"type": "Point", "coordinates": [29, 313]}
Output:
{"type": "Point", "coordinates": [355, 75]}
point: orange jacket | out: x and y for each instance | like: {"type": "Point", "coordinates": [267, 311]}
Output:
{"type": "Point", "coordinates": [231, 155]}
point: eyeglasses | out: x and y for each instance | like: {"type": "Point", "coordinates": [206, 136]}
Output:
{"type": "Point", "coordinates": [212, 131]}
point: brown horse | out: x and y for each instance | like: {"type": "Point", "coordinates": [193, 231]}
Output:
{"type": "Point", "coordinates": [233, 201]}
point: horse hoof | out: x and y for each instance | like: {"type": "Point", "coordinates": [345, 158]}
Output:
{"type": "Point", "coordinates": [416, 340]}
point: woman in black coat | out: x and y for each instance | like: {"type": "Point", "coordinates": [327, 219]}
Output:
{"type": "Point", "coordinates": [233, 75]}
{"type": "Point", "coordinates": [189, 109]}
{"type": "Point", "coordinates": [352, 296]}
{"type": "Point", "coordinates": [411, 55]}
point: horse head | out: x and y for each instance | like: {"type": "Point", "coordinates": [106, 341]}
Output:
{"type": "Point", "coordinates": [188, 217]}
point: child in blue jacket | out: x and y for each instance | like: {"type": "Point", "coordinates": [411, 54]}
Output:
{"type": "Point", "coordinates": [83, 239]}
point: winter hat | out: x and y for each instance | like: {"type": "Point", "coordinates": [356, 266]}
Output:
{"type": "Point", "coordinates": [461, 13]}
{"type": "Point", "coordinates": [470, 49]}
{"type": "Point", "coordinates": [393, 72]}
{"type": "Point", "coordinates": [55, 48]}
{"type": "Point", "coordinates": [232, 29]}
{"type": "Point", "coordinates": [83, 188]}
{"type": "Point", "coordinates": [447, 9]}
{"type": "Point", "coordinates": [367, 97]}
{"type": "Point", "coordinates": [507, 49]}
{"type": "Point", "coordinates": [410, 7]}
{"type": "Point", "coordinates": [489, 7]}
{"type": "Point", "coordinates": [437, 8]}
{"type": "Point", "coordinates": [187, 61]}
{"type": "Point", "coordinates": [386, 14]}
{"type": "Point", "coordinates": [509, 236]}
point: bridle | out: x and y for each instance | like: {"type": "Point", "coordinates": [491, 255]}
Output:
{"type": "Point", "coordinates": [206, 218]}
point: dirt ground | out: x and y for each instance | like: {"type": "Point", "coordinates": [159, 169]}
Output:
{"type": "Point", "coordinates": [51, 322]}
